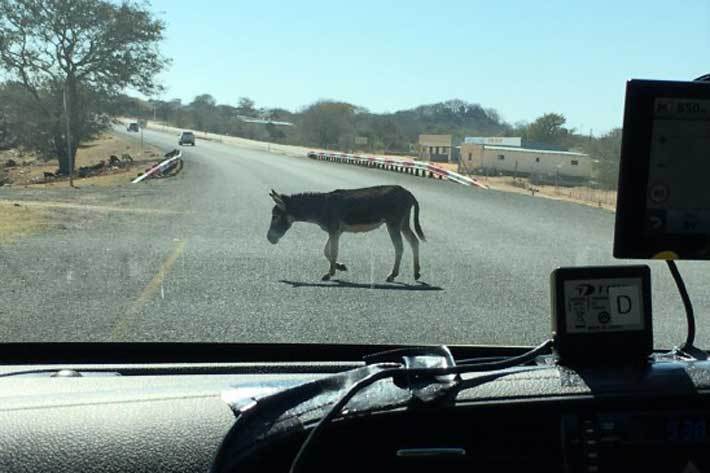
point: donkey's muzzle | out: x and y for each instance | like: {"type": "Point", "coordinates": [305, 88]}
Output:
{"type": "Point", "coordinates": [273, 239]}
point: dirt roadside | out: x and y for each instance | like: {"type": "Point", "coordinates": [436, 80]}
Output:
{"type": "Point", "coordinates": [579, 195]}
{"type": "Point", "coordinates": [29, 199]}
{"type": "Point", "coordinates": [18, 169]}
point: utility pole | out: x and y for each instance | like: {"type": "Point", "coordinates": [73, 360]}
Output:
{"type": "Point", "coordinates": [70, 159]}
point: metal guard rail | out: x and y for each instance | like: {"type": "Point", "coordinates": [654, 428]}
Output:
{"type": "Point", "coordinates": [171, 157]}
{"type": "Point", "coordinates": [401, 165]}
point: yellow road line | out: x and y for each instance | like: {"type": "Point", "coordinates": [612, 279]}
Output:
{"type": "Point", "coordinates": [134, 310]}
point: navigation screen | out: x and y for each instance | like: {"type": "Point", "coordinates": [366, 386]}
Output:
{"type": "Point", "coordinates": [603, 305]}
{"type": "Point", "coordinates": [678, 200]}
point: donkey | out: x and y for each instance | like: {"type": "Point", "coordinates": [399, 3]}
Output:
{"type": "Point", "coordinates": [351, 210]}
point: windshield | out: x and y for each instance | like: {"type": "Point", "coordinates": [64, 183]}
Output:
{"type": "Point", "coordinates": [473, 148]}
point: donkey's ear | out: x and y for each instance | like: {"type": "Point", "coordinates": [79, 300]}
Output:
{"type": "Point", "coordinates": [279, 200]}
{"type": "Point", "coordinates": [273, 193]}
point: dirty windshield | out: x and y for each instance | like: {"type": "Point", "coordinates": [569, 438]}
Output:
{"type": "Point", "coordinates": [317, 172]}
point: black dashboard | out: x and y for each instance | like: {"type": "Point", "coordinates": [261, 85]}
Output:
{"type": "Point", "coordinates": [541, 418]}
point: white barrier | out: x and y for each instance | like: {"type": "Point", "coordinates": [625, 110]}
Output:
{"type": "Point", "coordinates": [416, 168]}
{"type": "Point", "coordinates": [158, 167]}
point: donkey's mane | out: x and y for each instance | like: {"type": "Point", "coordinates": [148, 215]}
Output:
{"type": "Point", "coordinates": [305, 204]}
{"type": "Point", "coordinates": [306, 195]}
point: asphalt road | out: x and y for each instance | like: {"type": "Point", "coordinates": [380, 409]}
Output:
{"type": "Point", "coordinates": [186, 259]}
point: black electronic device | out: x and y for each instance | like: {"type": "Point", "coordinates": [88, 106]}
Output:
{"type": "Point", "coordinates": [602, 314]}
{"type": "Point", "coordinates": [663, 204]}
{"type": "Point", "coordinates": [651, 440]}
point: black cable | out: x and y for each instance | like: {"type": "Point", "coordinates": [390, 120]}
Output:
{"type": "Point", "coordinates": [481, 359]}
{"type": "Point", "coordinates": [508, 362]}
{"type": "Point", "coordinates": [493, 361]}
{"type": "Point", "coordinates": [389, 355]}
{"type": "Point", "coordinates": [397, 369]}
{"type": "Point", "coordinates": [703, 78]}
{"type": "Point", "coordinates": [689, 314]}
{"type": "Point", "coordinates": [337, 407]}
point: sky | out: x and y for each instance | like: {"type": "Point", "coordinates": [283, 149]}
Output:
{"type": "Point", "coordinates": [522, 58]}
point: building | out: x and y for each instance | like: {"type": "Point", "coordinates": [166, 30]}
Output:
{"type": "Point", "coordinates": [437, 148]}
{"type": "Point", "coordinates": [515, 141]}
{"type": "Point", "coordinates": [263, 121]}
{"type": "Point", "coordinates": [526, 162]}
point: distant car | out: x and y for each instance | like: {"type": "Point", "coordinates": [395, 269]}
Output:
{"type": "Point", "coordinates": [187, 138]}
{"type": "Point", "coordinates": [133, 127]}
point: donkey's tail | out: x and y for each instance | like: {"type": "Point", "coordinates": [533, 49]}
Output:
{"type": "Point", "coordinates": [417, 226]}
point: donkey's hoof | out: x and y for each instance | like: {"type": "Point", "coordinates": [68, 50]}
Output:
{"type": "Point", "coordinates": [391, 277]}
{"type": "Point", "coordinates": [326, 277]}
{"type": "Point", "coordinates": [340, 267]}
{"type": "Point", "coordinates": [417, 276]}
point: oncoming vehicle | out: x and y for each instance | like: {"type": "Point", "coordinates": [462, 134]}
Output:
{"type": "Point", "coordinates": [186, 138]}
{"type": "Point", "coordinates": [133, 127]}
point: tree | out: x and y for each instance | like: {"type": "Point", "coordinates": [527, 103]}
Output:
{"type": "Point", "coordinates": [77, 52]}
{"type": "Point", "coordinates": [29, 124]}
{"type": "Point", "coordinates": [327, 123]}
{"type": "Point", "coordinates": [203, 111]}
{"type": "Point", "coordinates": [607, 151]}
{"type": "Point", "coordinates": [387, 134]}
{"type": "Point", "coordinates": [274, 132]}
{"type": "Point", "coordinates": [204, 101]}
{"type": "Point", "coordinates": [245, 106]}
{"type": "Point", "coordinates": [547, 129]}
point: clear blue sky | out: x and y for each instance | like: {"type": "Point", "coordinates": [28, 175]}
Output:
{"type": "Point", "coordinates": [522, 58]}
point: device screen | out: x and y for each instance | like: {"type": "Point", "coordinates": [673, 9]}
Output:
{"type": "Point", "coordinates": [678, 200]}
{"type": "Point", "coordinates": [604, 305]}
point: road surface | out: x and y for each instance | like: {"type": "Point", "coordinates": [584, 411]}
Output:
{"type": "Point", "coordinates": [186, 259]}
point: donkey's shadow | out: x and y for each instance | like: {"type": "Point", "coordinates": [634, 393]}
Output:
{"type": "Point", "coordinates": [396, 286]}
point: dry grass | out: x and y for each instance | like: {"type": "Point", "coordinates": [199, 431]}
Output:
{"type": "Point", "coordinates": [579, 194]}
{"type": "Point", "coordinates": [23, 218]}
{"type": "Point", "coordinates": [32, 174]}
{"type": "Point", "coordinates": [20, 221]}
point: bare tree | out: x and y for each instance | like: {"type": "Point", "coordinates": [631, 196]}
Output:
{"type": "Point", "coordinates": [59, 49]}
{"type": "Point", "coordinates": [328, 124]}
{"type": "Point", "coordinates": [246, 105]}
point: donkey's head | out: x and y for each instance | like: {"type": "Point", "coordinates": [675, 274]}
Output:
{"type": "Point", "coordinates": [281, 221]}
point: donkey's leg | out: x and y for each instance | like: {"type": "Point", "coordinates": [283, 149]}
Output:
{"type": "Point", "coordinates": [326, 253]}
{"type": "Point", "coordinates": [396, 236]}
{"type": "Point", "coordinates": [332, 256]}
{"type": "Point", "coordinates": [414, 243]}
{"type": "Point", "coordinates": [326, 250]}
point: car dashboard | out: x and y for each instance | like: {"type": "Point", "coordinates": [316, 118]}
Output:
{"type": "Point", "coordinates": [230, 417]}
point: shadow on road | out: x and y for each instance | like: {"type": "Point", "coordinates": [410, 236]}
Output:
{"type": "Point", "coordinates": [396, 286]}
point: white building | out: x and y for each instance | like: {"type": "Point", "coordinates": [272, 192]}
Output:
{"type": "Point", "coordinates": [515, 141]}
{"type": "Point", "coordinates": [526, 162]}
{"type": "Point", "coordinates": [437, 148]}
